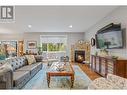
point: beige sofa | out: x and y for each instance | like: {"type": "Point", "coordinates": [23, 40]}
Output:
{"type": "Point", "coordinates": [111, 82]}
{"type": "Point", "coordinates": [15, 73]}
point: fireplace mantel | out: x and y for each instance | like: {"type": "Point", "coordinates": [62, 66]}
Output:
{"type": "Point", "coordinates": [85, 46]}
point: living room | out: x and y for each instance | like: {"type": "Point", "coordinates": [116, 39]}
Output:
{"type": "Point", "coordinates": [40, 39]}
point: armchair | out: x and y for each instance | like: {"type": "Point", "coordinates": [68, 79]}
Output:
{"type": "Point", "coordinates": [111, 82]}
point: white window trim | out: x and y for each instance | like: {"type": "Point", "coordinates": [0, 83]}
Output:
{"type": "Point", "coordinates": [54, 36]}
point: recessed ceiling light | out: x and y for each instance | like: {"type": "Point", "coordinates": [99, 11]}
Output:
{"type": "Point", "coordinates": [70, 26]}
{"type": "Point", "coordinates": [29, 26]}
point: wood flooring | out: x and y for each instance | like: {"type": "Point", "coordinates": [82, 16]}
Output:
{"type": "Point", "coordinates": [87, 70]}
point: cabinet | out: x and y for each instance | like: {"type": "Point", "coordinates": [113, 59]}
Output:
{"type": "Point", "coordinates": [108, 65]}
{"type": "Point", "coordinates": [103, 66]}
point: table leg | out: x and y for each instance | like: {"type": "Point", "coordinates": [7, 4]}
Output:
{"type": "Point", "coordinates": [72, 80]}
{"type": "Point", "coordinates": [48, 79]}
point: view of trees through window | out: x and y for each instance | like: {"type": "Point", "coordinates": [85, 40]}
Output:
{"type": "Point", "coordinates": [53, 47]}
{"type": "Point", "coordinates": [53, 43]}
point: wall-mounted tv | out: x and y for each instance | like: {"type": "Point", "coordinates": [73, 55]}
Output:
{"type": "Point", "coordinates": [109, 37]}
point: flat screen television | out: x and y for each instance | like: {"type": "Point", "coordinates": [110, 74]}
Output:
{"type": "Point", "coordinates": [110, 37]}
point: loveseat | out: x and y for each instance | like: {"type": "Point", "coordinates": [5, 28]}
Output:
{"type": "Point", "coordinates": [111, 82]}
{"type": "Point", "coordinates": [15, 72]}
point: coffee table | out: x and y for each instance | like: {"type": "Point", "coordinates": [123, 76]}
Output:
{"type": "Point", "coordinates": [68, 71]}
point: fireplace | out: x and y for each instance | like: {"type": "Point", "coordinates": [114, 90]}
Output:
{"type": "Point", "coordinates": [79, 56]}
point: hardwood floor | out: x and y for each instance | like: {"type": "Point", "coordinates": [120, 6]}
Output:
{"type": "Point", "coordinates": [91, 74]}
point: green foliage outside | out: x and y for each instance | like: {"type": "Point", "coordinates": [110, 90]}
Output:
{"type": "Point", "coordinates": [44, 47]}
{"type": "Point", "coordinates": [53, 46]}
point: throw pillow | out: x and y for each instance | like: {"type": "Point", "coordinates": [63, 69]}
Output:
{"type": "Point", "coordinates": [31, 59]}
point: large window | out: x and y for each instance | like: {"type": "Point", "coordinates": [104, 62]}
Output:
{"type": "Point", "coordinates": [53, 47]}
{"type": "Point", "coordinates": [53, 43]}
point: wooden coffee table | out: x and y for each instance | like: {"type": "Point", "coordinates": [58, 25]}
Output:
{"type": "Point", "coordinates": [67, 72]}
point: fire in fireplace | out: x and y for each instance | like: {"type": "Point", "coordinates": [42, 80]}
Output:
{"type": "Point", "coordinates": [79, 56]}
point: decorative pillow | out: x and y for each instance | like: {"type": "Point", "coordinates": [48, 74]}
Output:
{"type": "Point", "coordinates": [31, 59]}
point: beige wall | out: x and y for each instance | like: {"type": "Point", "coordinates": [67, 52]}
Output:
{"type": "Point", "coordinates": [11, 36]}
{"type": "Point", "coordinates": [117, 16]}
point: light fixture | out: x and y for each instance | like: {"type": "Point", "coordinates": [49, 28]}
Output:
{"type": "Point", "coordinates": [29, 26]}
{"type": "Point", "coordinates": [70, 26]}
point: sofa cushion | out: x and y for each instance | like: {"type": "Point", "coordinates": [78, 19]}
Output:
{"type": "Point", "coordinates": [33, 68]}
{"type": "Point", "coordinates": [31, 59]}
{"type": "Point", "coordinates": [18, 62]}
{"type": "Point", "coordinates": [29, 67]}
{"type": "Point", "coordinates": [20, 76]}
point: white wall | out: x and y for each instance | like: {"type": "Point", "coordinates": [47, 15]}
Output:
{"type": "Point", "coordinates": [117, 16]}
{"type": "Point", "coordinates": [71, 38]}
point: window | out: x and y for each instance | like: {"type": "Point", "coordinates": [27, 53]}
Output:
{"type": "Point", "coordinates": [44, 46]}
{"type": "Point", "coordinates": [53, 47]}
{"type": "Point", "coordinates": [53, 43]}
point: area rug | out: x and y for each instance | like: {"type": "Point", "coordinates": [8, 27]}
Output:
{"type": "Point", "coordinates": [39, 81]}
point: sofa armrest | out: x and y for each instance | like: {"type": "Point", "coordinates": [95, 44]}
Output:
{"type": "Point", "coordinates": [6, 77]}
{"type": "Point", "coordinates": [114, 78]}
{"type": "Point", "coordinates": [101, 83]}
{"type": "Point", "coordinates": [118, 81]}
{"type": "Point", "coordinates": [38, 58]}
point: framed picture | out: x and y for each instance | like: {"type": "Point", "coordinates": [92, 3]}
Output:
{"type": "Point", "coordinates": [31, 44]}
{"type": "Point", "coordinates": [92, 42]}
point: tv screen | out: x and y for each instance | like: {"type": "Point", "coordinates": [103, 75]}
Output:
{"type": "Point", "coordinates": [110, 39]}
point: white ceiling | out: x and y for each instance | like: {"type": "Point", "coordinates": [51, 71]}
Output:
{"type": "Point", "coordinates": [55, 18]}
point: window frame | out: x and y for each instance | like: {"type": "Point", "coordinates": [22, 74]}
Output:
{"type": "Point", "coordinates": [65, 44]}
